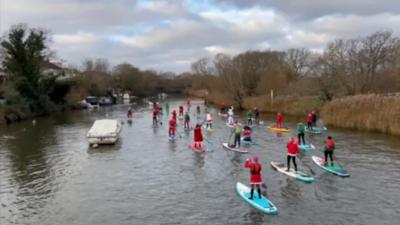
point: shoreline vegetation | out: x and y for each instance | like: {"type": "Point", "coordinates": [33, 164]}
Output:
{"type": "Point", "coordinates": [337, 81]}
{"type": "Point", "coordinates": [368, 112]}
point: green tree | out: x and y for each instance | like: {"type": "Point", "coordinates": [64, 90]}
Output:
{"type": "Point", "coordinates": [24, 50]}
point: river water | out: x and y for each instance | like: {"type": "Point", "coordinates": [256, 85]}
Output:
{"type": "Point", "coordinates": [49, 175]}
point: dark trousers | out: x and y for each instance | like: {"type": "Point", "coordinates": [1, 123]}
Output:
{"type": "Point", "coordinates": [300, 136]}
{"type": "Point", "coordinates": [309, 126]}
{"type": "Point", "coordinates": [250, 121]}
{"type": "Point", "coordinates": [294, 162]}
{"type": "Point", "coordinates": [330, 154]}
{"type": "Point", "coordinates": [237, 140]}
{"type": "Point", "coordinates": [258, 190]}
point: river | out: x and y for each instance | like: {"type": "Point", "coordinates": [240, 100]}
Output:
{"type": "Point", "coordinates": [50, 176]}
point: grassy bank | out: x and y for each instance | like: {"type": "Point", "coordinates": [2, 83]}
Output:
{"type": "Point", "coordinates": [289, 105]}
{"type": "Point", "coordinates": [364, 112]}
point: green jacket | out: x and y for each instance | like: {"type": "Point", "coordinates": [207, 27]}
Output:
{"type": "Point", "coordinates": [238, 129]}
{"type": "Point", "coordinates": [250, 115]}
{"type": "Point", "coordinates": [301, 128]}
{"type": "Point", "coordinates": [187, 117]}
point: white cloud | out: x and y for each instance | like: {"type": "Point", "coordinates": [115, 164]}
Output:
{"type": "Point", "coordinates": [74, 39]}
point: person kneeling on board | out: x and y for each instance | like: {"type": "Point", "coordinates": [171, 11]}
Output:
{"type": "Point", "coordinates": [172, 127]}
{"type": "Point", "coordinates": [255, 175]}
{"type": "Point", "coordinates": [198, 137]}
{"type": "Point", "coordinates": [328, 150]}
{"type": "Point", "coordinates": [237, 129]}
{"type": "Point", "coordinates": [187, 120]}
{"type": "Point", "coordinates": [247, 134]}
{"type": "Point", "coordinates": [292, 151]}
{"type": "Point", "coordinates": [300, 132]}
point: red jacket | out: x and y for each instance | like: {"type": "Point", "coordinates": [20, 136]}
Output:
{"type": "Point", "coordinates": [181, 109]}
{"type": "Point", "coordinates": [330, 144]}
{"type": "Point", "coordinates": [279, 117]}
{"type": "Point", "coordinates": [309, 118]}
{"type": "Point", "coordinates": [292, 148]}
{"type": "Point", "coordinates": [246, 133]}
{"type": "Point", "coordinates": [255, 171]}
{"type": "Point", "coordinates": [198, 136]}
{"type": "Point", "coordinates": [155, 112]}
{"type": "Point", "coordinates": [174, 114]}
{"type": "Point", "coordinates": [172, 123]}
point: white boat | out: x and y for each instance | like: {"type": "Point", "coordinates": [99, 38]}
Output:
{"type": "Point", "coordinates": [104, 132]}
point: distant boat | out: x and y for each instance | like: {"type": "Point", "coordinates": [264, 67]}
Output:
{"type": "Point", "coordinates": [104, 132]}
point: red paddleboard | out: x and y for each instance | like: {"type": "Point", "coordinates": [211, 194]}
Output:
{"type": "Point", "coordinates": [197, 149]}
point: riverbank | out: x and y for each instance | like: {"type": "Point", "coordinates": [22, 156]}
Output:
{"type": "Point", "coordinates": [375, 113]}
{"type": "Point", "coordinates": [364, 112]}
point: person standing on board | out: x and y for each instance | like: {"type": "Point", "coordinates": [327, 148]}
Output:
{"type": "Point", "coordinates": [181, 110]}
{"type": "Point", "coordinates": [255, 175]}
{"type": "Point", "coordinates": [314, 118]}
{"type": "Point", "coordinates": [172, 127]}
{"type": "Point", "coordinates": [187, 120]}
{"type": "Point", "coordinates": [279, 120]}
{"type": "Point", "coordinates": [237, 129]}
{"type": "Point", "coordinates": [292, 151]}
{"type": "Point", "coordinates": [300, 132]}
{"type": "Point", "coordinates": [222, 107]}
{"type": "Point", "coordinates": [209, 120]}
{"type": "Point", "coordinates": [155, 114]}
{"type": "Point", "coordinates": [250, 118]}
{"type": "Point", "coordinates": [198, 110]}
{"type": "Point", "coordinates": [328, 150]}
{"type": "Point", "coordinates": [230, 116]}
{"type": "Point", "coordinates": [174, 114]}
{"type": "Point", "coordinates": [256, 115]}
{"type": "Point", "coordinates": [198, 137]}
{"type": "Point", "coordinates": [309, 121]}
{"type": "Point", "coordinates": [130, 113]}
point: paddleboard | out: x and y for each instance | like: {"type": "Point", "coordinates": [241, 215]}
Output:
{"type": "Point", "coordinates": [197, 149]}
{"type": "Point", "coordinates": [172, 138]}
{"type": "Point", "coordinates": [335, 169]}
{"type": "Point", "coordinates": [279, 129]}
{"type": "Point", "coordinates": [280, 167]}
{"type": "Point", "coordinates": [230, 125]}
{"type": "Point", "coordinates": [226, 145]}
{"type": "Point", "coordinates": [263, 204]}
{"type": "Point", "coordinates": [222, 114]}
{"type": "Point", "coordinates": [306, 148]}
{"type": "Point", "coordinates": [247, 142]}
{"type": "Point", "coordinates": [313, 131]}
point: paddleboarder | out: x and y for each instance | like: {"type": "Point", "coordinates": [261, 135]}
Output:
{"type": "Point", "coordinates": [279, 120]}
{"type": "Point", "coordinates": [255, 175]}
{"type": "Point", "coordinates": [130, 113]}
{"type": "Point", "coordinates": [328, 150]}
{"type": "Point", "coordinates": [209, 120]}
{"type": "Point", "coordinates": [187, 120]}
{"type": "Point", "coordinates": [230, 115]}
{"type": "Point", "coordinates": [174, 114]}
{"type": "Point", "coordinates": [198, 110]}
{"type": "Point", "coordinates": [237, 129]}
{"type": "Point", "coordinates": [256, 114]}
{"type": "Point", "coordinates": [172, 127]}
{"type": "Point", "coordinates": [181, 110]}
{"type": "Point", "coordinates": [198, 137]}
{"type": "Point", "coordinates": [309, 121]}
{"type": "Point", "coordinates": [247, 133]}
{"type": "Point", "coordinates": [300, 132]}
{"type": "Point", "coordinates": [250, 118]}
{"type": "Point", "coordinates": [292, 151]}
{"type": "Point", "coordinates": [155, 113]}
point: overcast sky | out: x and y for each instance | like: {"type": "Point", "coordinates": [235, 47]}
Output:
{"type": "Point", "coordinates": [169, 35]}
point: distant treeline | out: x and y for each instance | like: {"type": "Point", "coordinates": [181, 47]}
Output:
{"type": "Point", "coordinates": [27, 89]}
{"type": "Point", "coordinates": [362, 65]}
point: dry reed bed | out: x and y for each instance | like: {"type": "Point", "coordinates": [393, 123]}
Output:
{"type": "Point", "coordinates": [364, 112]}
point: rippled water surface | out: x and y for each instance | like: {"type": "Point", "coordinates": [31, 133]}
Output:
{"type": "Point", "coordinates": [49, 175]}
